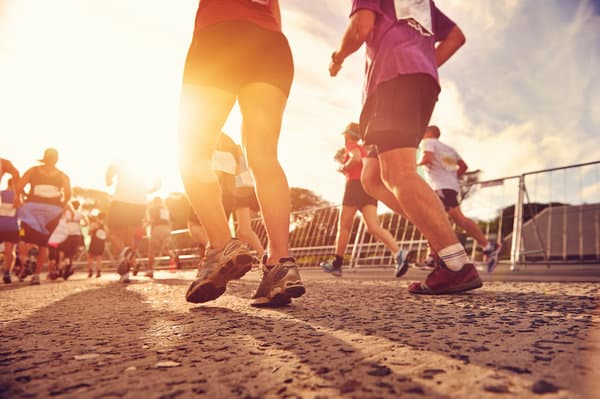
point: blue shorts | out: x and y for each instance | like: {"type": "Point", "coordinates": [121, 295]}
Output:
{"type": "Point", "coordinates": [38, 221]}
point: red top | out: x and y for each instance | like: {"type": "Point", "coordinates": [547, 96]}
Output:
{"type": "Point", "coordinates": [353, 172]}
{"type": "Point", "coordinates": [259, 12]}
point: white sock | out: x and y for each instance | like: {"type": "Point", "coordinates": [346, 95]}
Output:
{"type": "Point", "coordinates": [454, 257]}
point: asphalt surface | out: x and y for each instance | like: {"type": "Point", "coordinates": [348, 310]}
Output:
{"type": "Point", "coordinates": [361, 336]}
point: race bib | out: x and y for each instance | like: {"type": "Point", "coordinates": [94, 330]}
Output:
{"type": "Point", "coordinates": [101, 234]}
{"type": "Point", "coordinates": [46, 191]}
{"type": "Point", "coordinates": [449, 162]}
{"type": "Point", "coordinates": [417, 13]}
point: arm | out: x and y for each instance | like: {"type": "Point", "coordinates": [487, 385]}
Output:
{"type": "Point", "coordinates": [110, 174]}
{"type": "Point", "coordinates": [20, 186]}
{"type": "Point", "coordinates": [462, 168]}
{"type": "Point", "coordinates": [426, 159]}
{"type": "Point", "coordinates": [10, 168]}
{"type": "Point", "coordinates": [353, 157]}
{"type": "Point", "coordinates": [360, 27]}
{"type": "Point", "coordinates": [66, 189]}
{"type": "Point", "coordinates": [447, 47]}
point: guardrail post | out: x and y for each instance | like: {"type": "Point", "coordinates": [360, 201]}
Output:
{"type": "Point", "coordinates": [517, 225]}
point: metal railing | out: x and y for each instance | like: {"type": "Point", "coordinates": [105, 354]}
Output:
{"type": "Point", "coordinates": [542, 217]}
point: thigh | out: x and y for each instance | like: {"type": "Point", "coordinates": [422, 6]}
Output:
{"type": "Point", "coordinates": [203, 112]}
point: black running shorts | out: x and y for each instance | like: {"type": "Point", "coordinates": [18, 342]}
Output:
{"type": "Point", "coordinates": [398, 112]}
{"type": "Point", "coordinates": [449, 198]}
{"type": "Point", "coordinates": [355, 195]}
{"type": "Point", "coordinates": [245, 197]}
{"type": "Point", "coordinates": [229, 55]}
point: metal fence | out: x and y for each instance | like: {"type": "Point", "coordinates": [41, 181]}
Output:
{"type": "Point", "coordinates": [549, 216]}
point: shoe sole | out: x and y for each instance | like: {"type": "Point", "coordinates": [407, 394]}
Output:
{"type": "Point", "coordinates": [214, 286]}
{"type": "Point", "coordinates": [399, 272]}
{"type": "Point", "coordinates": [470, 285]}
{"type": "Point", "coordinates": [281, 296]}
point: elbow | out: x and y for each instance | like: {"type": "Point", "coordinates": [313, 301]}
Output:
{"type": "Point", "coordinates": [459, 38]}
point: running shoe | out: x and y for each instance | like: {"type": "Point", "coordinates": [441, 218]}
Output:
{"type": "Point", "coordinates": [220, 266]}
{"type": "Point", "coordinates": [6, 278]}
{"type": "Point", "coordinates": [125, 278]}
{"type": "Point", "coordinates": [90, 273]}
{"type": "Point", "coordinates": [136, 268]}
{"type": "Point", "coordinates": [98, 273]}
{"type": "Point", "coordinates": [149, 274]}
{"type": "Point", "coordinates": [35, 279]}
{"type": "Point", "coordinates": [445, 281]}
{"type": "Point", "coordinates": [123, 266]}
{"type": "Point", "coordinates": [329, 267]}
{"type": "Point", "coordinates": [52, 275]}
{"type": "Point", "coordinates": [279, 284]}
{"type": "Point", "coordinates": [67, 272]}
{"type": "Point", "coordinates": [491, 253]}
{"type": "Point", "coordinates": [401, 263]}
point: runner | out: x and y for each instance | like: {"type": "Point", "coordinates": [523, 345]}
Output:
{"type": "Point", "coordinates": [95, 252]}
{"type": "Point", "coordinates": [74, 241]}
{"type": "Point", "coordinates": [238, 52]}
{"type": "Point", "coordinates": [9, 224]}
{"type": "Point", "coordinates": [126, 212]}
{"type": "Point", "coordinates": [355, 199]}
{"type": "Point", "coordinates": [443, 167]}
{"type": "Point", "coordinates": [49, 191]}
{"type": "Point", "coordinates": [405, 46]}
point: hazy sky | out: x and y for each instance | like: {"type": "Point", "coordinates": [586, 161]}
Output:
{"type": "Point", "coordinates": [100, 78]}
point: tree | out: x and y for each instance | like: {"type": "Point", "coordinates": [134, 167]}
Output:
{"type": "Point", "coordinates": [92, 199]}
{"type": "Point", "coordinates": [302, 198]}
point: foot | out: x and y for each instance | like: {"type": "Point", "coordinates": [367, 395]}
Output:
{"type": "Point", "coordinates": [220, 266]}
{"type": "Point", "coordinates": [401, 263]}
{"type": "Point", "coordinates": [67, 272]}
{"type": "Point", "coordinates": [6, 278]}
{"type": "Point", "coordinates": [331, 267]}
{"type": "Point", "coordinates": [136, 268]}
{"type": "Point", "coordinates": [98, 273]}
{"type": "Point", "coordinates": [279, 284]}
{"type": "Point", "coordinates": [51, 276]}
{"type": "Point", "coordinates": [491, 253]}
{"type": "Point", "coordinates": [150, 274]}
{"type": "Point", "coordinates": [124, 265]}
{"type": "Point", "coordinates": [124, 278]}
{"type": "Point", "coordinates": [445, 281]}
{"type": "Point", "coordinates": [90, 273]}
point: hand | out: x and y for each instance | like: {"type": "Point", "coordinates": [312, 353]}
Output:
{"type": "Point", "coordinates": [335, 65]}
{"type": "Point", "coordinates": [334, 69]}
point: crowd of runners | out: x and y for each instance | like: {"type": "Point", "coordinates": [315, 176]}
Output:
{"type": "Point", "coordinates": [238, 53]}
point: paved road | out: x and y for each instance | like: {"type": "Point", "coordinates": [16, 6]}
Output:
{"type": "Point", "coordinates": [362, 336]}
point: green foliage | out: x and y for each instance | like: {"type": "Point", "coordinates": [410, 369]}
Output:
{"type": "Point", "coordinates": [302, 198]}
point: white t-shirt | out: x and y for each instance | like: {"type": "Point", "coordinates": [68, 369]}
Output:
{"type": "Point", "coordinates": [441, 173]}
{"type": "Point", "coordinates": [74, 223]}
